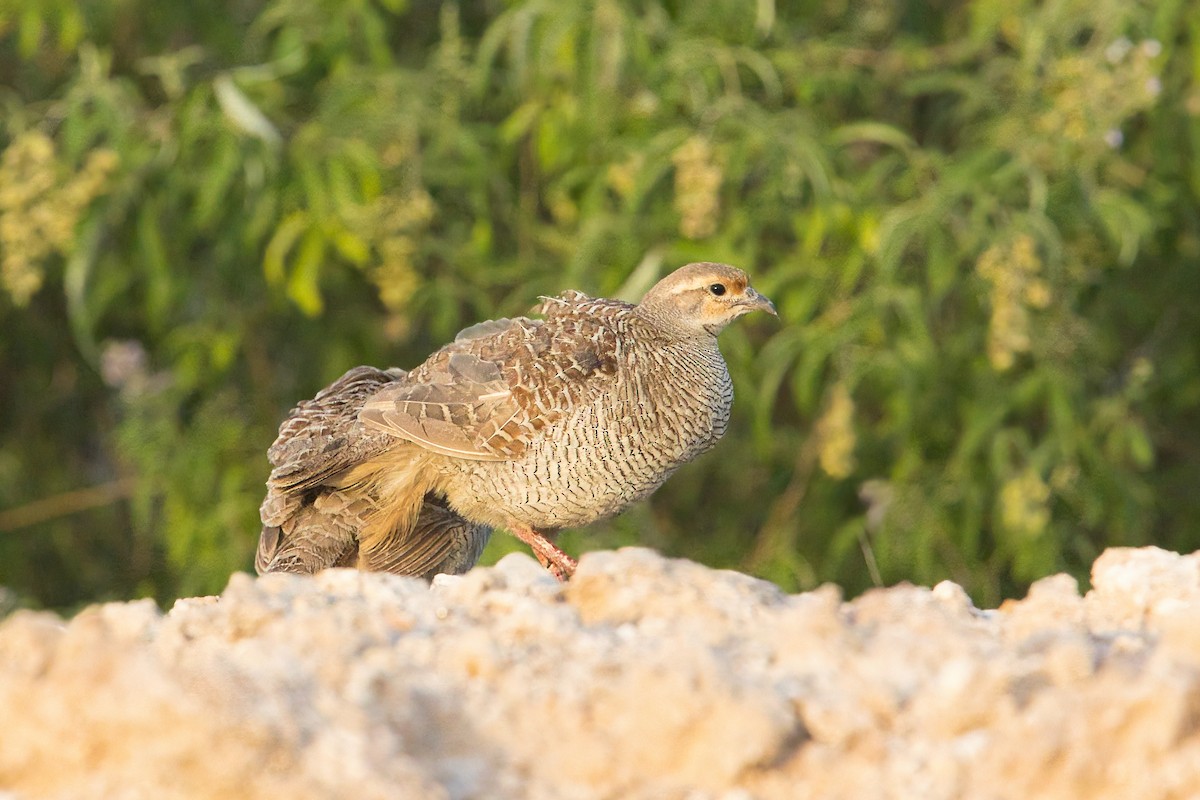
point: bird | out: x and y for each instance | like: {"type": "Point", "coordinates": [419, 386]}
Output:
{"type": "Point", "coordinates": [531, 425]}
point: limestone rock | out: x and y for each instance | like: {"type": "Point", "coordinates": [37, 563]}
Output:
{"type": "Point", "coordinates": [643, 677]}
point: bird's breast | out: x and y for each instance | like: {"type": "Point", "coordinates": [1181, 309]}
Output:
{"type": "Point", "coordinates": [616, 445]}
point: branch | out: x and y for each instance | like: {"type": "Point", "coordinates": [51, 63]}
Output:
{"type": "Point", "coordinates": [65, 504]}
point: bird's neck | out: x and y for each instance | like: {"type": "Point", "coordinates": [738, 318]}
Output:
{"type": "Point", "coordinates": [667, 327]}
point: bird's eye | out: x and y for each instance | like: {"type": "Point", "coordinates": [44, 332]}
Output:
{"type": "Point", "coordinates": [717, 288]}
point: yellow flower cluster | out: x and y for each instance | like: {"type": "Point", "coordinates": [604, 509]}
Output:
{"type": "Point", "coordinates": [398, 223]}
{"type": "Point", "coordinates": [622, 176]}
{"type": "Point", "coordinates": [39, 208]}
{"type": "Point", "coordinates": [835, 434]}
{"type": "Point", "coordinates": [1091, 94]}
{"type": "Point", "coordinates": [1013, 270]}
{"type": "Point", "coordinates": [1024, 508]}
{"type": "Point", "coordinates": [697, 185]}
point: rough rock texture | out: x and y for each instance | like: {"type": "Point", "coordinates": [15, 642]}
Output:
{"type": "Point", "coordinates": [641, 678]}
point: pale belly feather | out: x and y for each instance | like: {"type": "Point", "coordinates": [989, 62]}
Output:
{"type": "Point", "coordinates": [607, 455]}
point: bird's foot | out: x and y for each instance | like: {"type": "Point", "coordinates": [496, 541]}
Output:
{"type": "Point", "coordinates": [561, 565]}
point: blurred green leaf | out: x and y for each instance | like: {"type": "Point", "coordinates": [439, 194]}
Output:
{"type": "Point", "coordinates": [282, 241]}
{"type": "Point", "coordinates": [303, 282]}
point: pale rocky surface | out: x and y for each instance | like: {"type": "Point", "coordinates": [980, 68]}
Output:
{"type": "Point", "coordinates": [642, 678]}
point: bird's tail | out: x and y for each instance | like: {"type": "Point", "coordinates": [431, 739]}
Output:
{"type": "Point", "coordinates": [397, 483]}
{"type": "Point", "coordinates": [309, 533]}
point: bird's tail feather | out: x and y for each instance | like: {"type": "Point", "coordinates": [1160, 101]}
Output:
{"type": "Point", "coordinates": [398, 489]}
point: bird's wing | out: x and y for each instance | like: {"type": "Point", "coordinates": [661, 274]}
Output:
{"type": "Point", "coordinates": [322, 437]}
{"type": "Point", "coordinates": [492, 391]}
{"type": "Point", "coordinates": [459, 413]}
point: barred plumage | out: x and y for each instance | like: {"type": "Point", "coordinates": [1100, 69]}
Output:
{"type": "Point", "coordinates": [531, 425]}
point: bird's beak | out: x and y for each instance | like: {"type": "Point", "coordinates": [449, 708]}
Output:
{"type": "Point", "coordinates": [753, 301]}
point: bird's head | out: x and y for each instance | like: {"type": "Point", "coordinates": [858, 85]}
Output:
{"type": "Point", "coordinates": [703, 298]}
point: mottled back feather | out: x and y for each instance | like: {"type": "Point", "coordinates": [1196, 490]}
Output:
{"type": "Point", "coordinates": [322, 437]}
{"type": "Point", "coordinates": [492, 391]}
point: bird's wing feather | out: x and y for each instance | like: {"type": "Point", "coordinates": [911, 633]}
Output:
{"type": "Point", "coordinates": [490, 393]}
{"type": "Point", "coordinates": [321, 437]}
{"type": "Point", "coordinates": [455, 414]}
{"type": "Point", "coordinates": [485, 328]}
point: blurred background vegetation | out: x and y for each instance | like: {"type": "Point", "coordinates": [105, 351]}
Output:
{"type": "Point", "coordinates": [979, 221]}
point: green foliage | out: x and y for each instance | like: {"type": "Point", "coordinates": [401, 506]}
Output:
{"type": "Point", "coordinates": [979, 222]}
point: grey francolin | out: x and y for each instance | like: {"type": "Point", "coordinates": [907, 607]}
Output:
{"type": "Point", "coordinates": [524, 424]}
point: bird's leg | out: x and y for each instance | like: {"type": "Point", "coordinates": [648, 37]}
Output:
{"type": "Point", "coordinates": [562, 570]}
{"type": "Point", "coordinates": [561, 565]}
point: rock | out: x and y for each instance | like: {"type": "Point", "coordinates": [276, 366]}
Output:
{"type": "Point", "coordinates": [1135, 586]}
{"type": "Point", "coordinates": [1052, 603]}
{"type": "Point", "coordinates": [643, 677]}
